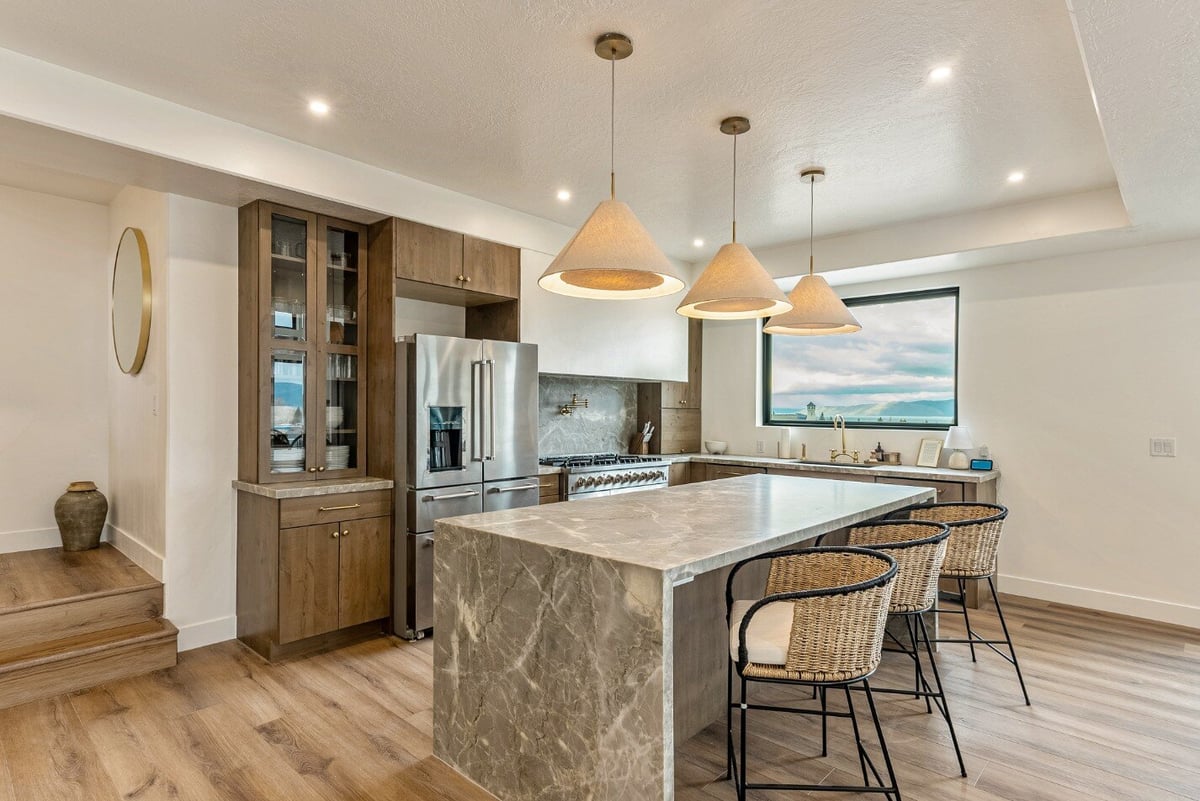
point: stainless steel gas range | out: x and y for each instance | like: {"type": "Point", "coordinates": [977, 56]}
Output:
{"type": "Point", "coordinates": [598, 474]}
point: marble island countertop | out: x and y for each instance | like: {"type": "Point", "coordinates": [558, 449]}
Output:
{"type": "Point", "coordinates": [691, 529]}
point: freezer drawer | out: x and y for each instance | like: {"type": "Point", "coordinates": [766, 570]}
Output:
{"type": "Point", "coordinates": [427, 505]}
{"type": "Point", "coordinates": [421, 546]}
{"type": "Point", "coordinates": [515, 494]}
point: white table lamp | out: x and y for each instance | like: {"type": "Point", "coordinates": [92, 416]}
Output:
{"type": "Point", "coordinates": [958, 439]}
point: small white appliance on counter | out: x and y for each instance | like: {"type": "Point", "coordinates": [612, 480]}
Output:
{"type": "Point", "coordinates": [466, 442]}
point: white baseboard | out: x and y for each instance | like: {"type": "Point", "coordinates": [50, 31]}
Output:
{"type": "Point", "coordinates": [141, 554]}
{"type": "Point", "coordinates": [207, 632]}
{"type": "Point", "coordinates": [1132, 605]}
{"type": "Point", "coordinates": [31, 540]}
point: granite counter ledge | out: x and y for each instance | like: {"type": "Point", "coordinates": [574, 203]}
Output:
{"type": "Point", "coordinates": [557, 626]}
{"type": "Point", "coordinates": [883, 470]}
{"type": "Point", "coordinates": [308, 489]}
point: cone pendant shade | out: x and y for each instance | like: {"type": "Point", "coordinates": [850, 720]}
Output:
{"type": "Point", "coordinates": [734, 286]}
{"type": "Point", "coordinates": [816, 309]}
{"type": "Point", "coordinates": [611, 257]}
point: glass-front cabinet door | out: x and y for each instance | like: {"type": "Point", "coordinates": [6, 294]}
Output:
{"type": "Point", "coordinates": [342, 254]}
{"type": "Point", "coordinates": [288, 381]}
{"type": "Point", "coordinates": [304, 331]}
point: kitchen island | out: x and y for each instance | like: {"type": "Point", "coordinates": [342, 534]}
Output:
{"type": "Point", "coordinates": [561, 630]}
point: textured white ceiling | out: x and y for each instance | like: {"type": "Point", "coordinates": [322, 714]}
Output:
{"type": "Point", "coordinates": [505, 100]}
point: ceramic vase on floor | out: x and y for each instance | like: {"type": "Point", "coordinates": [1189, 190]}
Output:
{"type": "Point", "coordinates": [80, 513]}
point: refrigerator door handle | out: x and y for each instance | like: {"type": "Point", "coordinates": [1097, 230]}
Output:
{"type": "Point", "coordinates": [476, 413]}
{"type": "Point", "coordinates": [491, 368]}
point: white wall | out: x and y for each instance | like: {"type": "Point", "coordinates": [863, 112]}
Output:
{"type": "Point", "coordinates": [202, 379]}
{"type": "Point", "coordinates": [1066, 367]}
{"type": "Point", "coordinates": [643, 339]}
{"type": "Point", "coordinates": [137, 453]}
{"type": "Point", "coordinates": [53, 403]}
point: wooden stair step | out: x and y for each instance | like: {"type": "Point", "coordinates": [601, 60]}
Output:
{"type": "Point", "coordinates": [35, 578]}
{"type": "Point", "coordinates": [32, 671]}
{"type": "Point", "coordinates": [51, 594]}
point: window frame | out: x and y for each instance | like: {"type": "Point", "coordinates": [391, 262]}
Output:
{"type": "Point", "coordinates": [864, 300]}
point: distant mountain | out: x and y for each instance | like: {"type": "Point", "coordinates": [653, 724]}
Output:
{"type": "Point", "coordinates": [941, 409]}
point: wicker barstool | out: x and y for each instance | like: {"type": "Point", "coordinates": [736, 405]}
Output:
{"type": "Point", "coordinates": [971, 556]}
{"type": "Point", "coordinates": [919, 549]}
{"type": "Point", "coordinates": [821, 624]}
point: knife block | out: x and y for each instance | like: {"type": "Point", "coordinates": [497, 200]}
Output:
{"type": "Point", "coordinates": [637, 446]}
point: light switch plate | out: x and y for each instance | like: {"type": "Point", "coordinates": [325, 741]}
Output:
{"type": "Point", "coordinates": [1162, 446]}
{"type": "Point", "coordinates": [759, 446]}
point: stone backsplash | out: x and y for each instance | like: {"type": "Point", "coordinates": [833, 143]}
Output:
{"type": "Point", "coordinates": [605, 426]}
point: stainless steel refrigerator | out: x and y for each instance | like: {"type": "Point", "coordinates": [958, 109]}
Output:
{"type": "Point", "coordinates": [466, 442]}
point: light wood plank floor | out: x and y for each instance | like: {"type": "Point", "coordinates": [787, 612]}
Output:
{"type": "Point", "coordinates": [1116, 716]}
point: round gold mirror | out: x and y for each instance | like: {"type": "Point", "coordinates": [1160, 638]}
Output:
{"type": "Point", "coordinates": [131, 301]}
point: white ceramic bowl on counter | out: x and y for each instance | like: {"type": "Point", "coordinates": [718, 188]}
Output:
{"type": "Point", "coordinates": [715, 446]}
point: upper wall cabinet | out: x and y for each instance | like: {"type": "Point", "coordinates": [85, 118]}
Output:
{"type": "Point", "coordinates": [302, 289]}
{"type": "Point", "coordinates": [637, 339]}
{"type": "Point", "coordinates": [431, 260]}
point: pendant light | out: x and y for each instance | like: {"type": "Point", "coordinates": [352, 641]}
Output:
{"type": "Point", "coordinates": [816, 308]}
{"type": "Point", "coordinates": [612, 256]}
{"type": "Point", "coordinates": [734, 286]}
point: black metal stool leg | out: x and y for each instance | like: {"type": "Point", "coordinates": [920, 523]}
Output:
{"type": "Point", "coordinates": [824, 723]}
{"type": "Point", "coordinates": [962, 595]}
{"type": "Point", "coordinates": [943, 705]}
{"type": "Point", "coordinates": [741, 785]}
{"type": "Point", "coordinates": [1008, 639]}
{"type": "Point", "coordinates": [919, 683]}
{"type": "Point", "coordinates": [887, 757]}
{"type": "Point", "coordinates": [728, 722]}
{"type": "Point", "coordinates": [862, 751]}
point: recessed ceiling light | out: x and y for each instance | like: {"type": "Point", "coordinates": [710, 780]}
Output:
{"type": "Point", "coordinates": [318, 107]}
{"type": "Point", "coordinates": [1016, 176]}
{"type": "Point", "coordinates": [564, 195]}
{"type": "Point", "coordinates": [940, 74]}
{"type": "Point", "coordinates": [698, 242]}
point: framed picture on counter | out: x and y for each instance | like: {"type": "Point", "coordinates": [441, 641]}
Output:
{"type": "Point", "coordinates": [931, 451]}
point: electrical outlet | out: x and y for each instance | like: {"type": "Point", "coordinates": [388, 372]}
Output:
{"type": "Point", "coordinates": [759, 446]}
{"type": "Point", "coordinates": [1162, 446]}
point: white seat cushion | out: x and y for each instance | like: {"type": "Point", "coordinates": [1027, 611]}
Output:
{"type": "Point", "coordinates": [769, 633]}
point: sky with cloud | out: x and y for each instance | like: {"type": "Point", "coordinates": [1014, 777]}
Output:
{"type": "Point", "coordinates": [905, 352]}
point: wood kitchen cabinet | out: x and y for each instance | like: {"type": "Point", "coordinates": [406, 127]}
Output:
{"type": "Point", "coordinates": [716, 471]}
{"type": "Point", "coordinates": [674, 406]}
{"type": "Point", "coordinates": [550, 488]}
{"type": "Point", "coordinates": [312, 571]}
{"type": "Point", "coordinates": [491, 268]}
{"type": "Point", "coordinates": [430, 260]}
{"type": "Point", "coordinates": [333, 576]}
{"type": "Point", "coordinates": [301, 307]}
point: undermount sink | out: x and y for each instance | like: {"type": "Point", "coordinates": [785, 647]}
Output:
{"type": "Point", "coordinates": [823, 463]}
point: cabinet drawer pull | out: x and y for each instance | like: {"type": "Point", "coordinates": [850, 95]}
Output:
{"type": "Point", "coordinates": [346, 533]}
{"type": "Point", "coordinates": [335, 535]}
{"type": "Point", "coordinates": [321, 469]}
{"type": "Point", "coordinates": [338, 508]}
{"type": "Point", "coordinates": [451, 496]}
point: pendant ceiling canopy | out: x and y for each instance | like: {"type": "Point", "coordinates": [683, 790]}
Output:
{"type": "Point", "coordinates": [612, 256]}
{"type": "Point", "coordinates": [816, 308]}
{"type": "Point", "coordinates": [734, 285]}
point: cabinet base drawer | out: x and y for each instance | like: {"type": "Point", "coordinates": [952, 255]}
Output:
{"type": "Point", "coordinates": [318, 509]}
